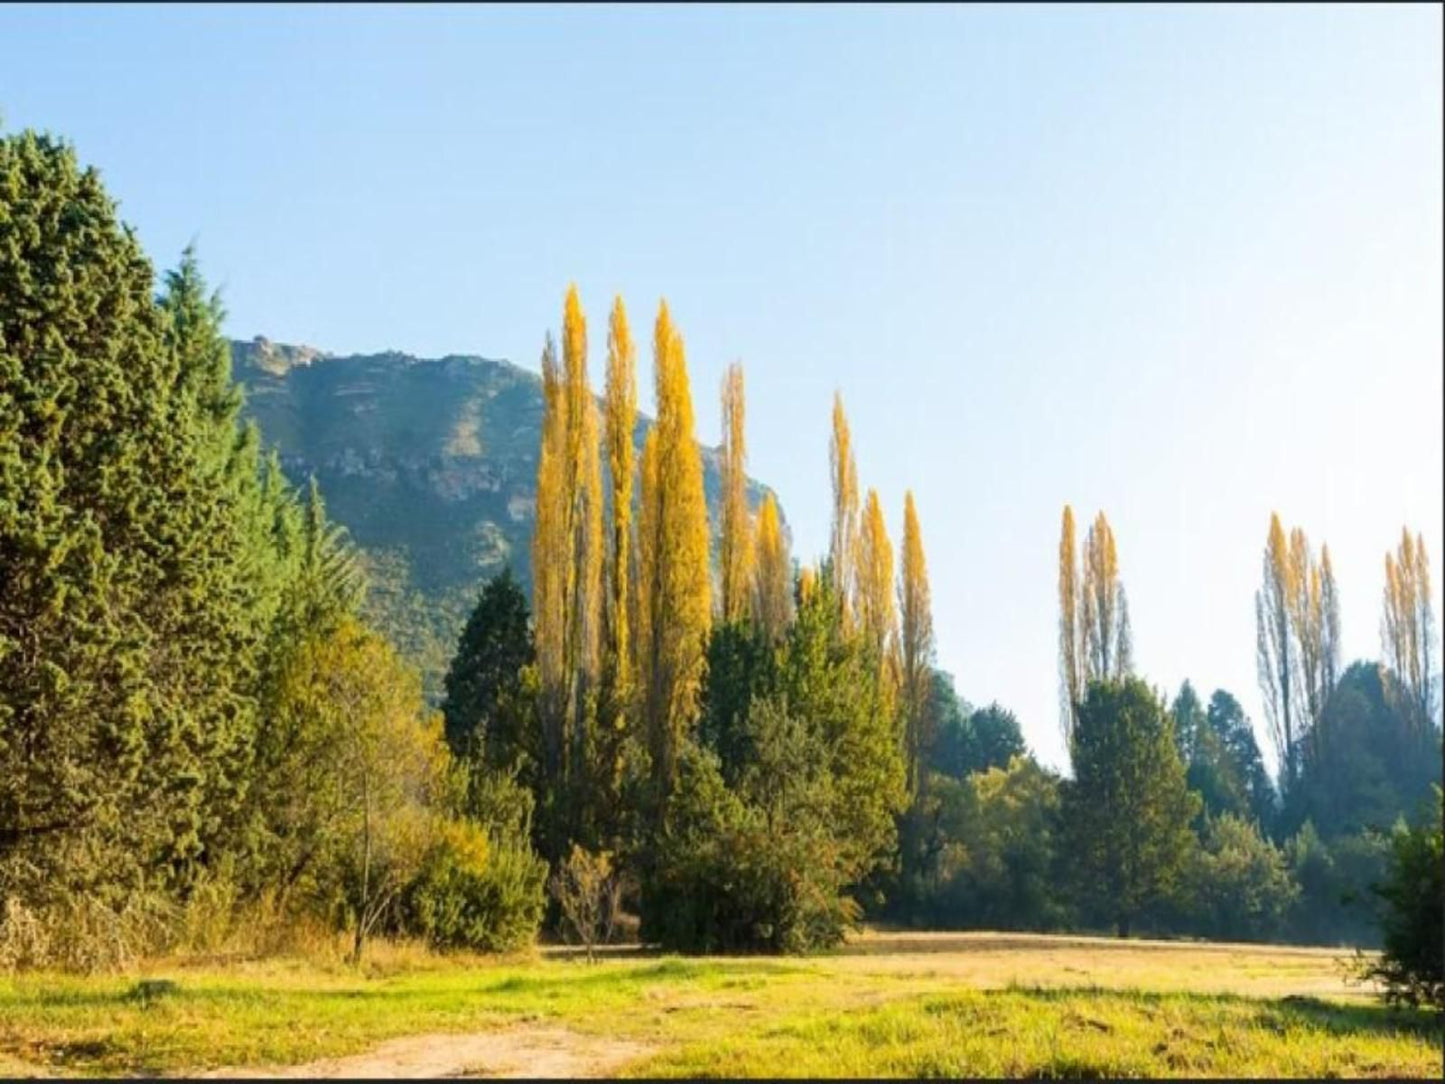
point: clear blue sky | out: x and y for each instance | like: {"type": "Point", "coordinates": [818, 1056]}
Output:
{"type": "Point", "coordinates": [1180, 263]}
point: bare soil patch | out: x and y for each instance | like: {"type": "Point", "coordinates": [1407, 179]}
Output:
{"type": "Point", "coordinates": [547, 1052]}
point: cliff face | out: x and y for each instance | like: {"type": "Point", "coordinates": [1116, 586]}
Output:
{"type": "Point", "coordinates": [430, 464]}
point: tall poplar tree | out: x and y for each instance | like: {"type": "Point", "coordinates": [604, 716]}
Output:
{"type": "Point", "coordinates": [1273, 647]}
{"type": "Point", "coordinates": [915, 644]}
{"type": "Point", "coordinates": [550, 555]}
{"type": "Point", "coordinates": [674, 582]}
{"type": "Point", "coordinates": [735, 550]}
{"type": "Point", "coordinates": [1297, 640]}
{"type": "Point", "coordinates": [621, 420]}
{"type": "Point", "coordinates": [1107, 649]}
{"type": "Point", "coordinates": [1407, 629]}
{"type": "Point", "coordinates": [583, 570]}
{"type": "Point", "coordinates": [772, 594]}
{"type": "Point", "coordinates": [877, 618]}
{"type": "Point", "coordinates": [1071, 649]}
{"type": "Point", "coordinates": [844, 534]}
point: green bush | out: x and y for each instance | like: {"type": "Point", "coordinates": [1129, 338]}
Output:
{"type": "Point", "coordinates": [984, 851]}
{"type": "Point", "coordinates": [1239, 884]}
{"type": "Point", "coordinates": [731, 876]}
{"type": "Point", "coordinates": [476, 891]}
{"type": "Point", "coordinates": [1412, 966]}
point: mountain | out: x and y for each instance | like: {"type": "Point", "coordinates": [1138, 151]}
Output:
{"type": "Point", "coordinates": [430, 464]}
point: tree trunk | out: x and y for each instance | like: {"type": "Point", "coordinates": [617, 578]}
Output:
{"type": "Point", "coordinates": [1122, 926]}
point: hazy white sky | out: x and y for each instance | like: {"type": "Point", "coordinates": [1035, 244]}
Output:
{"type": "Point", "coordinates": [1179, 263]}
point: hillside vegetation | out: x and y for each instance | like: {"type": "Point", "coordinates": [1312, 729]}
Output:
{"type": "Point", "coordinates": [430, 465]}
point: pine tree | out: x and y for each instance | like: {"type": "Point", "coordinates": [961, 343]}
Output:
{"type": "Point", "coordinates": [772, 598]}
{"type": "Point", "coordinates": [674, 576]}
{"type": "Point", "coordinates": [735, 552]}
{"type": "Point", "coordinates": [152, 561]}
{"type": "Point", "coordinates": [844, 536]}
{"type": "Point", "coordinates": [915, 644]}
{"type": "Point", "coordinates": [484, 680]}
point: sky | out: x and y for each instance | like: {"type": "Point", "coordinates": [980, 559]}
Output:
{"type": "Point", "coordinates": [1178, 263]}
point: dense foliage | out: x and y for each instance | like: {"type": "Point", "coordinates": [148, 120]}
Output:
{"type": "Point", "coordinates": [193, 722]}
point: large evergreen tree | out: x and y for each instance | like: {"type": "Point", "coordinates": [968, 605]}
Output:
{"type": "Point", "coordinates": [1128, 809]}
{"type": "Point", "coordinates": [484, 683]}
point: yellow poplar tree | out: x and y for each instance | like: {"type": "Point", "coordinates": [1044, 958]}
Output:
{"type": "Point", "coordinates": [1273, 646]}
{"type": "Point", "coordinates": [621, 420]}
{"type": "Point", "coordinates": [583, 480]}
{"type": "Point", "coordinates": [772, 600]}
{"type": "Point", "coordinates": [915, 643]}
{"type": "Point", "coordinates": [674, 586]}
{"type": "Point", "coordinates": [1407, 630]}
{"type": "Point", "coordinates": [1106, 644]}
{"type": "Point", "coordinates": [735, 550]}
{"type": "Point", "coordinates": [1071, 655]}
{"type": "Point", "coordinates": [549, 560]}
{"type": "Point", "coordinates": [877, 618]}
{"type": "Point", "coordinates": [844, 538]}
{"type": "Point", "coordinates": [1313, 608]}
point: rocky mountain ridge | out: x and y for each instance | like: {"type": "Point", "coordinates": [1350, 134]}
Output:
{"type": "Point", "coordinates": [430, 464]}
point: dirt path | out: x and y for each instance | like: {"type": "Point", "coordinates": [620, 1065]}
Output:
{"type": "Point", "coordinates": [510, 1052]}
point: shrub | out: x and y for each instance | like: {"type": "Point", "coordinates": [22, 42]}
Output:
{"type": "Point", "coordinates": [587, 889]}
{"type": "Point", "coordinates": [1240, 887]}
{"type": "Point", "coordinates": [727, 876]}
{"type": "Point", "coordinates": [84, 934]}
{"type": "Point", "coordinates": [1412, 966]}
{"type": "Point", "coordinates": [476, 891]}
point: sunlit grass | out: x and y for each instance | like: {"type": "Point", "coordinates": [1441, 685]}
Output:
{"type": "Point", "coordinates": [980, 1007]}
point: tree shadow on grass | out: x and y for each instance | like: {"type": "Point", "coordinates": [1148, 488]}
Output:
{"type": "Point", "coordinates": [1278, 1014]}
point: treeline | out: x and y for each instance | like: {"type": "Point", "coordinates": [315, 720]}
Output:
{"type": "Point", "coordinates": [201, 745]}
{"type": "Point", "coordinates": [763, 752]}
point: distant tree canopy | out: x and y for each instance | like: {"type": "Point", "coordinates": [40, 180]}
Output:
{"type": "Point", "coordinates": [967, 740]}
{"type": "Point", "coordinates": [1224, 762]}
{"type": "Point", "coordinates": [1367, 760]}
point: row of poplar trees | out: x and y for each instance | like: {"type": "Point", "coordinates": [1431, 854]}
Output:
{"type": "Point", "coordinates": [1358, 748]}
{"type": "Point", "coordinates": [1297, 611]}
{"type": "Point", "coordinates": [632, 584]}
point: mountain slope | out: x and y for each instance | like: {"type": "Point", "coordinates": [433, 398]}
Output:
{"type": "Point", "coordinates": [430, 464]}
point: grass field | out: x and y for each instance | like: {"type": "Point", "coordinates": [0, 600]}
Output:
{"type": "Point", "coordinates": [888, 1005]}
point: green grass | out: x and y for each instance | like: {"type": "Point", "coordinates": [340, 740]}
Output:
{"type": "Point", "coordinates": [1038, 1009]}
{"type": "Point", "coordinates": [1042, 1034]}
